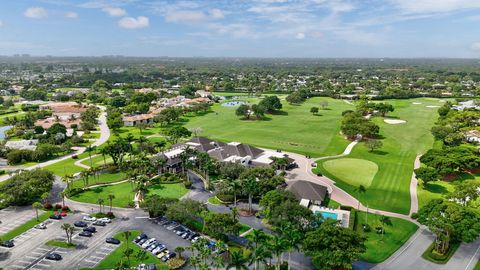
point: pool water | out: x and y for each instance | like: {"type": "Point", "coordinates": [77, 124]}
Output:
{"type": "Point", "coordinates": [327, 215]}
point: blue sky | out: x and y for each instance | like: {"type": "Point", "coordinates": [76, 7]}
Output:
{"type": "Point", "coordinates": [241, 28]}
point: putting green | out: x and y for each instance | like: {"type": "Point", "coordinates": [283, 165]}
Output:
{"type": "Point", "coordinates": [354, 171]}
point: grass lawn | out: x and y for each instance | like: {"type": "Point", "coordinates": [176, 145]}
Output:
{"type": "Point", "coordinates": [124, 194]}
{"type": "Point", "coordinates": [434, 257]}
{"type": "Point", "coordinates": [477, 266]}
{"type": "Point", "coordinates": [97, 161]}
{"type": "Point", "coordinates": [214, 200]}
{"type": "Point", "coordinates": [61, 244]}
{"type": "Point", "coordinates": [67, 166]}
{"type": "Point", "coordinates": [379, 249]}
{"type": "Point", "coordinates": [26, 226]}
{"type": "Point", "coordinates": [389, 189]}
{"type": "Point", "coordinates": [293, 129]}
{"type": "Point", "coordinates": [110, 262]}
{"type": "Point", "coordinates": [174, 191]}
{"type": "Point", "coordinates": [102, 179]}
{"type": "Point", "coordinates": [243, 228]}
{"type": "Point", "coordinates": [352, 170]}
{"type": "Point", "coordinates": [438, 189]}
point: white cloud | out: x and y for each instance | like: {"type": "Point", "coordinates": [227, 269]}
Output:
{"type": "Point", "coordinates": [36, 13]}
{"type": "Point", "coordinates": [133, 23]}
{"type": "Point", "coordinates": [300, 36]}
{"type": "Point", "coordinates": [1, 23]}
{"type": "Point", "coordinates": [115, 11]}
{"type": "Point", "coordinates": [475, 46]}
{"type": "Point", "coordinates": [185, 16]}
{"type": "Point", "coordinates": [71, 15]}
{"type": "Point", "coordinates": [435, 6]}
{"type": "Point", "coordinates": [216, 13]}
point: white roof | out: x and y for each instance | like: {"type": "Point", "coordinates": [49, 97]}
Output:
{"type": "Point", "coordinates": [265, 157]}
{"type": "Point", "coordinates": [304, 202]}
{"type": "Point", "coordinates": [174, 152]}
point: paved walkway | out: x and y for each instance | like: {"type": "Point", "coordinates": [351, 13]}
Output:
{"type": "Point", "coordinates": [104, 135]}
{"type": "Point", "coordinates": [413, 187]}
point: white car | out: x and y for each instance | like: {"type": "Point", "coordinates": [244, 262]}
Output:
{"type": "Point", "coordinates": [41, 226]}
{"type": "Point", "coordinates": [148, 242]}
{"type": "Point", "coordinates": [89, 218]}
{"type": "Point", "coordinates": [105, 220]}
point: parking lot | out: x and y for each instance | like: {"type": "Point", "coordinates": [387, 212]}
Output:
{"type": "Point", "coordinates": [13, 217]}
{"type": "Point", "coordinates": [30, 250]}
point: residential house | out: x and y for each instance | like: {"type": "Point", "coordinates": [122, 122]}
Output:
{"type": "Point", "coordinates": [22, 145]}
{"type": "Point", "coordinates": [133, 120]}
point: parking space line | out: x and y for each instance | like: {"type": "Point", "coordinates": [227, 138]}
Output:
{"type": "Point", "coordinates": [90, 261]}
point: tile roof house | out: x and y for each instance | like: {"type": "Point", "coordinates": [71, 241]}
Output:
{"type": "Point", "coordinates": [245, 154]}
{"type": "Point", "coordinates": [306, 190]}
{"type": "Point", "coordinates": [133, 120]}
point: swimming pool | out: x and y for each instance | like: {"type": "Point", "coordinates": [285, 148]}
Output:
{"type": "Point", "coordinates": [327, 215]}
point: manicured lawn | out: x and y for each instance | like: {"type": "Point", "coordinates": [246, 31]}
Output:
{"type": "Point", "coordinates": [430, 255]}
{"type": "Point", "coordinates": [174, 191]}
{"type": "Point", "coordinates": [111, 261]}
{"type": "Point", "coordinates": [67, 166]}
{"type": "Point", "coordinates": [438, 189]}
{"type": "Point", "coordinates": [243, 228]}
{"type": "Point", "coordinates": [389, 189]}
{"type": "Point", "coordinates": [214, 200]}
{"type": "Point", "coordinates": [477, 266]}
{"type": "Point", "coordinates": [124, 194]}
{"type": "Point", "coordinates": [352, 170]}
{"type": "Point", "coordinates": [378, 248]}
{"type": "Point", "coordinates": [97, 161]}
{"type": "Point", "coordinates": [294, 129]}
{"type": "Point", "coordinates": [26, 226]}
{"type": "Point", "coordinates": [102, 179]}
{"type": "Point", "coordinates": [61, 244]}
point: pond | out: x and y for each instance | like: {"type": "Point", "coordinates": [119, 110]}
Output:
{"type": "Point", "coordinates": [234, 103]}
{"type": "Point", "coordinates": [3, 130]}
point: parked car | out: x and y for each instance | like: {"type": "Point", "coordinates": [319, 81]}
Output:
{"type": "Point", "coordinates": [105, 220]}
{"type": "Point", "coordinates": [195, 239]}
{"type": "Point", "coordinates": [41, 226]}
{"type": "Point", "coordinates": [55, 216]}
{"type": "Point", "coordinates": [53, 256]}
{"type": "Point", "coordinates": [80, 224]}
{"type": "Point", "coordinates": [152, 246]}
{"type": "Point", "coordinates": [140, 237]}
{"type": "Point", "coordinates": [90, 229]}
{"type": "Point", "coordinates": [7, 243]}
{"type": "Point", "coordinates": [159, 249]}
{"type": "Point", "coordinates": [85, 234]}
{"type": "Point", "coordinates": [112, 241]}
{"type": "Point", "coordinates": [163, 253]}
{"type": "Point", "coordinates": [142, 241]}
{"type": "Point", "coordinates": [148, 242]}
{"type": "Point", "coordinates": [169, 256]}
{"type": "Point", "coordinates": [89, 218]}
{"type": "Point", "coordinates": [99, 223]}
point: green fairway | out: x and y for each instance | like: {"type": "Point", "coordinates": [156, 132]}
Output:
{"type": "Point", "coordinates": [111, 261]}
{"type": "Point", "coordinates": [124, 194]}
{"type": "Point", "coordinates": [352, 170]}
{"type": "Point", "coordinates": [379, 247]}
{"type": "Point", "coordinates": [389, 189]}
{"type": "Point", "coordinates": [293, 129]}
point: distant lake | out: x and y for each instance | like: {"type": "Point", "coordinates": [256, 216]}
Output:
{"type": "Point", "coordinates": [3, 130]}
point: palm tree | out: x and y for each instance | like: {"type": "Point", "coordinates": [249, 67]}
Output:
{"type": "Point", "coordinates": [104, 153]}
{"type": "Point", "coordinates": [69, 229]}
{"type": "Point", "coordinates": [250, 186]}
{"type": "Point", "coordinates": [89, 149]}
{"type": "Point", "coordinates": [278, 246]}
{"type": "Point", "coordinates": [37, 206]}
{"type": "Point", "coordinates": [259, 254]}
{"type": "Point", "coordinates": [234, 187]}
{"type": "Point", "coordinates": [111, 196]}
{"type": "Point", "coordinates": [100, 201]}
{"type": "Point", "coordinates": [67, 179]}
{"type": "Point", "coordinates": [238, 261]}
{"type": "Point", "coordinates": [141, 186]}
{"type": "Point", "coordinates": [45, 196]}
{"type": "Point", "coordinates": [292, 240]}
{"type": "Point", "coordinates": [360, 190]}
{"type": "Point", "coordinates": [218, 261]}
{"type": "Point", "coordinates": [62, 194]}
{"type": "Point", "coordinates": [179, 250]}
{"type": "Point", "coordinates": [385, 221]}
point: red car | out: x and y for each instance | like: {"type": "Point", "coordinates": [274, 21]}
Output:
{"type": "Point", "coordinates": [63, 214]}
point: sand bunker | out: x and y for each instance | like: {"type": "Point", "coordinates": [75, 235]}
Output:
{"type": "Point", "coordinates": [432, 106]}
{"type": "Point", "coordinates": [394, 121]}
{"type": "Point", "coordinates": [416, 103]}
